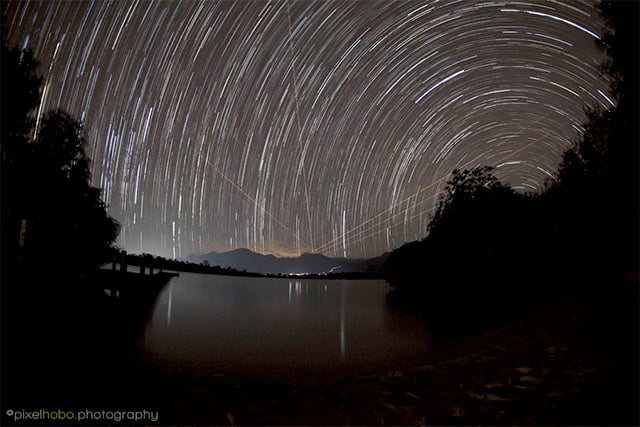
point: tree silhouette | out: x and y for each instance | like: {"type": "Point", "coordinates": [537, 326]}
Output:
{"type": "Point", "coordinates": [487, 242]}
{"type": "Point", "coordinates": [471, 253]}
{"type": "Point", "coordinates": [597, 188]}
{"type": "Point", "coordinates": [470, 197]}
{"type": "Point", "coordinates": [51, 216]}
{"type": "Point", "coordinates": [20, 93]}
{"type": "Point", "coordinates": [68, 216]}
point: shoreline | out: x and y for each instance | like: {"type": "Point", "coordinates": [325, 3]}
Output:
{"type": "Point", "coordinates": [542, 369]}
{"type": "Point", "coordinates": [573, 361]}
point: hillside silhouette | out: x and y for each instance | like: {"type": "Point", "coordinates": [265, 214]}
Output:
{"type": "Point", "coordinates": [307, 263]}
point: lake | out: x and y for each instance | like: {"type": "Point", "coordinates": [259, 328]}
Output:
{"type": "Point", "coordinates": [210, 324]}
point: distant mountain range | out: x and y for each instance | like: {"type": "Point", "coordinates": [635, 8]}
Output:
{"type": "Point", "coordinates": [245, 259]}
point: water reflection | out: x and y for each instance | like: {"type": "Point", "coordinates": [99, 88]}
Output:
{"type": "Point", "coordinates": [169, 305]}
{"type": "Point", "coordinates": [220, 322]}
{"type": "Point", "coordinates": [343, 345]}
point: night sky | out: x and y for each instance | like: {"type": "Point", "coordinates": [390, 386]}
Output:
{"type": "Point", "coordinates": [325, 126]}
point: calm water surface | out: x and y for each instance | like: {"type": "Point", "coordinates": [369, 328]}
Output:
{"type": "Point", "coordinates": [211, 323]}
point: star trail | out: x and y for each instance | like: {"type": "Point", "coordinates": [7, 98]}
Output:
{"type": "Point", "coordinates": [327, 126]}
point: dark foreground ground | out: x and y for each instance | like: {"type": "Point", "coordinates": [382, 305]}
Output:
{"type": "Point", "coordinates": [572, 362]}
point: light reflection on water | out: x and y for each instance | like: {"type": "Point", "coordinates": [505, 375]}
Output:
{"type": "Point", "coordinates": [217, 323]}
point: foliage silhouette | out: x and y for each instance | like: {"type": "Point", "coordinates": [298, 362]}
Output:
{"type": "Point", "coordinates": [20, 93]}
{"type": "Point", "coordinates": [597, 187]}
{"type": "Point", "coordinates": [473, 250]}
{"type": "Point", "coordinates": [490, 249]}
{"type": "Point", "coordinates": [46, 191]}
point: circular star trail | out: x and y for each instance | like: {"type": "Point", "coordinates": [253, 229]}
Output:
{"type": "Point", "coordinates": [290, 127]}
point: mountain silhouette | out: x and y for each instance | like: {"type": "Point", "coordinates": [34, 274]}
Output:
{"type": "Point", "coordinates": [245, 259]}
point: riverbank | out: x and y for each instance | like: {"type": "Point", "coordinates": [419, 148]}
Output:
{"type": "Point", "coordinates": [571, 362]}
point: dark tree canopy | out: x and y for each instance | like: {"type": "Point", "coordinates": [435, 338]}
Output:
{"type": "Point", "coordinates": [20, 93]}
{"type": "Point", "coordinates": [59, 147]}
{"type": "Point", "coordinates": [76, 218]}
{"type": "Point", "coordinates": [622, 44]}
{"type": "Point", "coordinates": [467, 193]}
{"type": "Point", "coordinates": [46, 192]}
{"type": "Point", "coordinates": [471, 232]}
{"type": "Point", "coordinates": [487, 243]}
{"type": "Point", "coordinates": [598, 180]}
